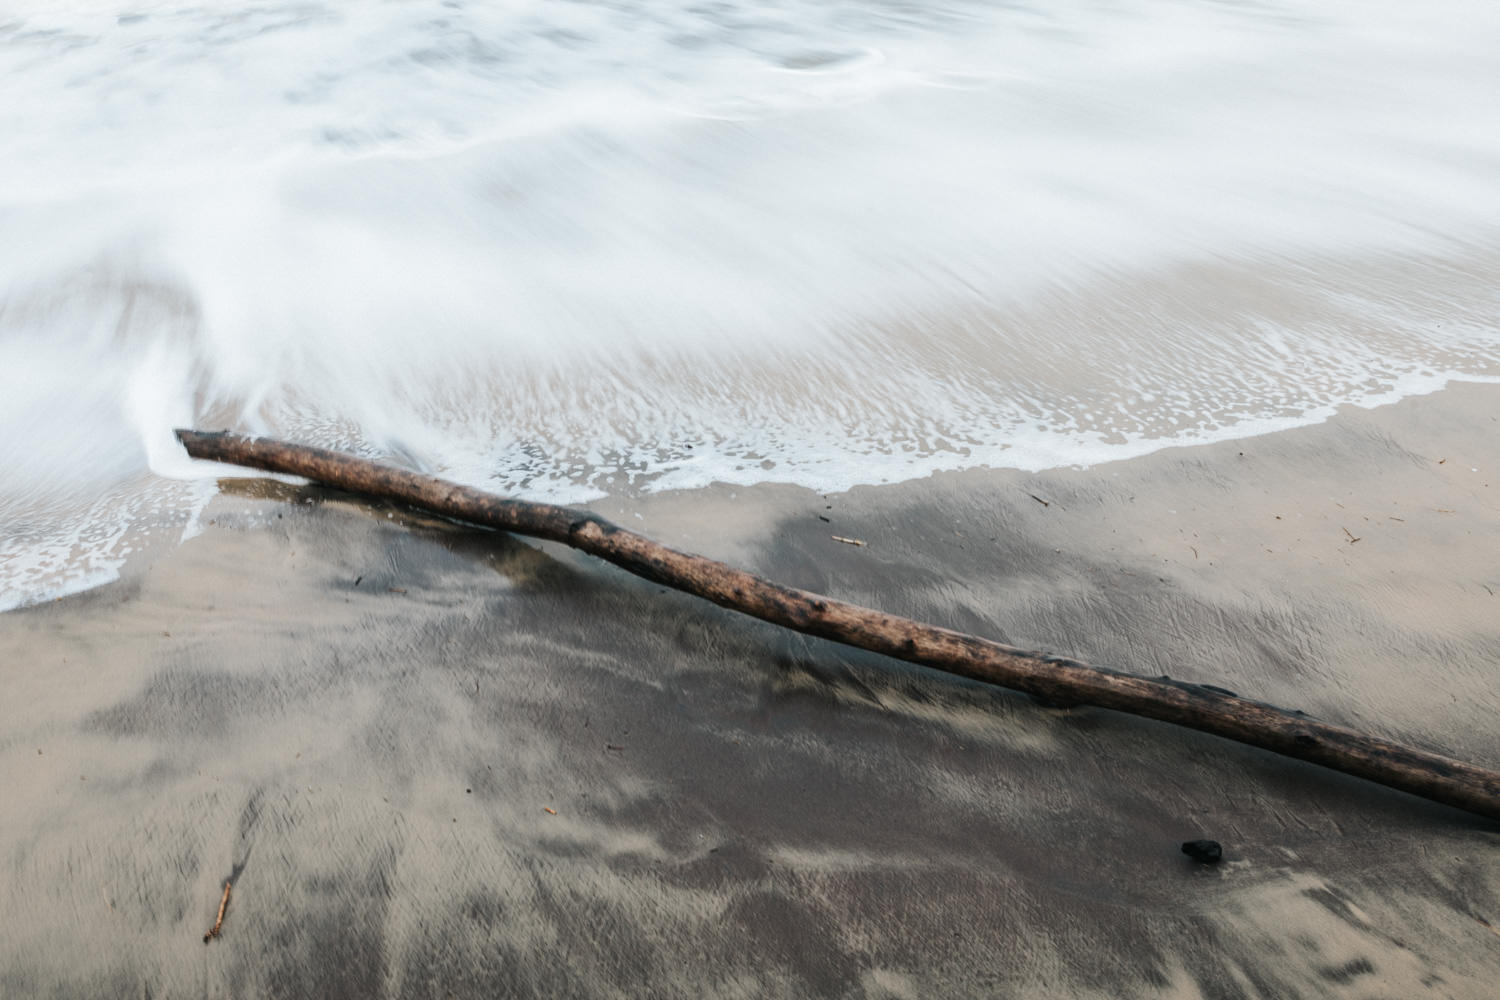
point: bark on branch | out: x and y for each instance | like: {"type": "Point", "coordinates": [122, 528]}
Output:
{"type": "Point", "coordinates": [1053, 678]}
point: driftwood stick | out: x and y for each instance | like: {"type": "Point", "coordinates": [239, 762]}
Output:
{"type": "Point", "coordinates": [1052, 678]}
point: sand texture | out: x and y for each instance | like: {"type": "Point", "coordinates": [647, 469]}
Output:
{"type": "Point", "coordinates": [437, 762]}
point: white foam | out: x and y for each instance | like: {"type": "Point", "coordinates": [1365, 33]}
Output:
{"type": "Point", "coordinates": [566, 249]}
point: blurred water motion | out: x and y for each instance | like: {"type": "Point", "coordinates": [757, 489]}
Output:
{"type": "Point", "coordinates": [568, 248]}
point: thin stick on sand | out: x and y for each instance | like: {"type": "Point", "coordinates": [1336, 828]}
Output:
{"type": "Point", "coordinates": [1054, 679]}
{"type": "Point", "coordinates": [213, 931]}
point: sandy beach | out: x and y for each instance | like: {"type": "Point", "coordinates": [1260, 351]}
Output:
{"type": "Point", "coordinates": [437, 762]}
{"type": "Point", "coordinates": [754, 280]}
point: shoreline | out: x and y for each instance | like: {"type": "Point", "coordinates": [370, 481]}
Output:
{"type": "Point", "coordinates": [366, 714]}
{"type": "Point", "coordinates": [143, 545]}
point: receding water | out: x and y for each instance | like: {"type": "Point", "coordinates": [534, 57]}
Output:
{"type": "Point", "coordinates": [566, 248]}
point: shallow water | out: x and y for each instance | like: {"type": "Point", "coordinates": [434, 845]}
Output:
{"type": "Point", "coordinates": [564, 249]}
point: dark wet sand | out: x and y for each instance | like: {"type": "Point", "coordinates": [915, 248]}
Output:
{"type": "Point", "coordinates": [363, 718]}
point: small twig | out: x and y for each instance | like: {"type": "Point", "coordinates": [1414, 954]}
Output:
{"type": "Point", "coordinates": [1039, 500]}
{"type": "Point", "coordinates": [846, 541]}
{"type": "Point", "coordinates": [223, 905]}
{"type": "Point", "coordinates": [1352, 537]}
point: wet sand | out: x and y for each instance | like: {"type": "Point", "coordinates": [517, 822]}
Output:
{"type": "Point", "coordinates": [437, 762]}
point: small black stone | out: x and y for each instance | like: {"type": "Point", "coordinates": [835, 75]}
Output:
{"type": "Point", "coordinates": [1207, 851]}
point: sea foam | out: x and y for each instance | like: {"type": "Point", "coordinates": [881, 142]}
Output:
{"type": "Point", "coordinates": [568, 249]}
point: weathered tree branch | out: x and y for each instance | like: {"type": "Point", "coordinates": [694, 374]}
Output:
{"type": "Point", "coordinates": [1053, 678]}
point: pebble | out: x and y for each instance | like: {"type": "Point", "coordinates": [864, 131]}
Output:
{"type": "Point", "coordinates": [1207, 851]}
